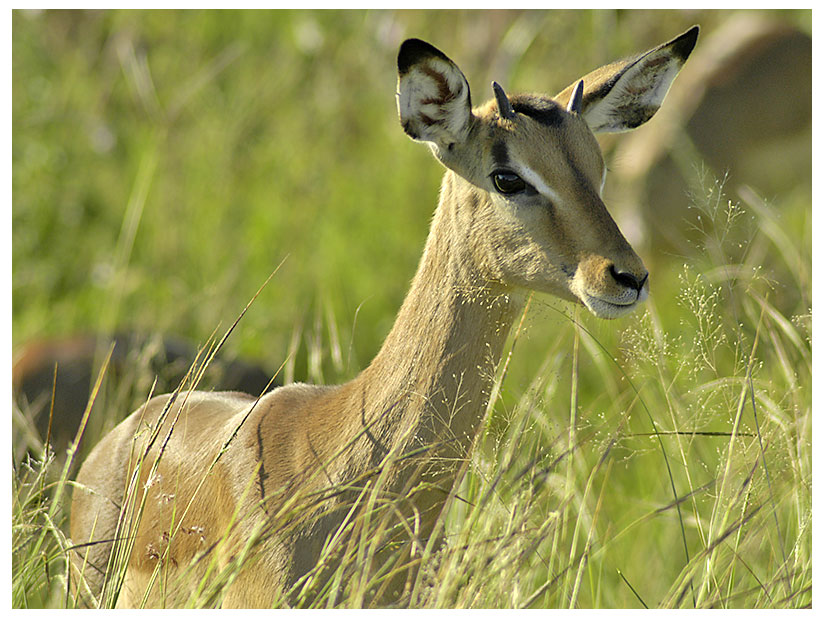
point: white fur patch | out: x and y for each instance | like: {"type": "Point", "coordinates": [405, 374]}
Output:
{"type": "Point", "coordinates": [537, 181]}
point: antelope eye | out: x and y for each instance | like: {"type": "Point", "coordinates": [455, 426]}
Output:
{"type": "Point", "coordinates": [508, 183]}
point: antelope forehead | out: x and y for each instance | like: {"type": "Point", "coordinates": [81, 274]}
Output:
{"type": "Point", "coordinates": [568, 156]}
{"type": "Point", "coordinates": [541, 109]}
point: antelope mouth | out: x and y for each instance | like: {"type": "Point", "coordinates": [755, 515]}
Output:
{"type": "Point", "coordinates": [607, 292]}
{"type": "Point", "coordinates": [613, 307]}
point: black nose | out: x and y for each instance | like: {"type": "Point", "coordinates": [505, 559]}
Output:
{"type": "Point", "coordinates": [629, 279]}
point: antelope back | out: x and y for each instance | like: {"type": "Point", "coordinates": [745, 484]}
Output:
{"type": "Point", "coordinates": [526, 173]}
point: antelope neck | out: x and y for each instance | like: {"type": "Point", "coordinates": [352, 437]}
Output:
{"type": "Point", "coordinates": [433, 374]}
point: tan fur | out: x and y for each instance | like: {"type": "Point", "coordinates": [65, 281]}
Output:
{"type": "Point", "coordinates": [409, 420]}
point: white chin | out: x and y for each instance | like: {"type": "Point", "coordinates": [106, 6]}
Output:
{"type": "Point", "coordinates": [607, 310]}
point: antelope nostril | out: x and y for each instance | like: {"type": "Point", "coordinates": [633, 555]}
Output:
{"type": "Point", "coordinates": [629, 279]}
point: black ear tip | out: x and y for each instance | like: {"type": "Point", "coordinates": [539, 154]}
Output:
{"type": "Point", "coordinates": [684, 44]}
{"type": "Point", "coordinates": [413, 51]}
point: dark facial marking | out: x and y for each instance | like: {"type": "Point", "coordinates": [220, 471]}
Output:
{"type": "Point", "coordinates": [500, 155]}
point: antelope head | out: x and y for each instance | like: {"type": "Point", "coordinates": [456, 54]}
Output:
{"type": "Point", "coordinates": [528, 173]}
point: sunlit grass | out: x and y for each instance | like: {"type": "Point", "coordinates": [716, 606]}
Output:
{"type": "Point", "coordinates": [692, 463]}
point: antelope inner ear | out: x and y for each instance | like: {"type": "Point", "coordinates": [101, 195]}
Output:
{"type": "Point", "coordinates": [625, 94]}
{"type": "Point", "coordinates": [434, 104]}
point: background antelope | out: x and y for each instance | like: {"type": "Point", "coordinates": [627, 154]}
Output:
{"type": "Point", "coordinates": [520, 209]}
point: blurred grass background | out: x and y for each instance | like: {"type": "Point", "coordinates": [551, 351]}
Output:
{"type": "Point", "coordinates": [164, 163]}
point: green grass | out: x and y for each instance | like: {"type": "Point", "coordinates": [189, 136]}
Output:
{"type": "Point", "coordinates": [165, 163]}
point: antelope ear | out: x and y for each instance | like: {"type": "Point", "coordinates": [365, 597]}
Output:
{"type": "Point", "coordinates": [625, 94]}
{"type": "Point", "coordinates": [434, 104]}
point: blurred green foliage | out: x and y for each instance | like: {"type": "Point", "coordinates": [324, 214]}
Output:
{"type": "Point", "coordinates": [165, 162]}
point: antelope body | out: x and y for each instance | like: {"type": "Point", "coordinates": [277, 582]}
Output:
{"type": "Point", "coordinates": [520, 209]}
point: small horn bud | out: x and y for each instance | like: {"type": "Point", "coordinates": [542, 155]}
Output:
{"type": "Point", "coordinates": [574, 105]}
{"type": "Point", "coordinates": [504, 106]}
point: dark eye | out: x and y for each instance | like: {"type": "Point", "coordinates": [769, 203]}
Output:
{"type": "Point", "coordinates": [508, 183]}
